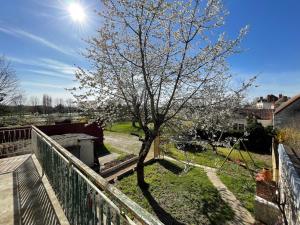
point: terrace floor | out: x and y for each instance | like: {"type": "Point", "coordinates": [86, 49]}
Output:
{"type": "Point", "coordinates": [26, 196]}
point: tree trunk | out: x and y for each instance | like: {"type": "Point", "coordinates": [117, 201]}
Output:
{"type": "Point", "coordinates": [140, 164]}
{"type": "Point", "coordinates": [133, 123]}
{"type": "Point", "coordinates": [213, 147]}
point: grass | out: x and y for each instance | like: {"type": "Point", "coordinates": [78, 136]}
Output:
{"type": "Point", "coordinates": [126, 128]}
{"type": "Point", "coordinates": [238, 179]}
{"type": "Point", "coordinates": [241, 184]}
{"type": "Point", "coordinates": [206, 158]}
{"type": "Point", "coordinates": [211, 159]}
{"type": "Point", "coordinates": [177, 197]}
{"type": "Point", "coordinates": [261, 160]}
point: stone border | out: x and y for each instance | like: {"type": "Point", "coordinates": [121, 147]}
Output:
{"type": "Point", "coordinates": [111, 170]}
{"type": "Point", "coordinates": [287, 169]}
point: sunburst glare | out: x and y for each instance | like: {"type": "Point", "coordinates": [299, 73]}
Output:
{"type": "Point", "coordinates": [77, 12]}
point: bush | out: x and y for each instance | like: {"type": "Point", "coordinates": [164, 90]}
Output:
{"type": "Point", "coordinates": [259, 138]}
{"type": "Point", "coordinates": [289, 136]}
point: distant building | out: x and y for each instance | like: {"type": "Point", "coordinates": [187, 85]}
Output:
{"type": "Point", "coordinates": [265, 105]}
{"type": "Point", "coordinates": [288, 114]}
{"type": "Point", "coordinates": [262, 110]}
{"type": "Point", "coordinates": [263, 116]}
{"type": "Point", "coordinates": [270, 102]}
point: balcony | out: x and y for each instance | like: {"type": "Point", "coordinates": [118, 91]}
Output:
{"type": "Point", "coordinates": [43, 183]}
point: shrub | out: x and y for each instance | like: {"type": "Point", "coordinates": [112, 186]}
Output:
{"type": "Point", "coordinates": [260, 138]}
{"type": "Point", "coordinates": [289, 136]}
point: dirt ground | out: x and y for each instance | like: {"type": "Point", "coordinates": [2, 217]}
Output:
{"type": "Point", "coordinates": [124, 142]}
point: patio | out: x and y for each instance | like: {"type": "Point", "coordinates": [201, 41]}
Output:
{"type": "Point", "coordinates": [26, 197]}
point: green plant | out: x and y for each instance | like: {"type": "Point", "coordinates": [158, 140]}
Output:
{"type": "Point", "coordinates": [177, 197]}
{"type": "Point", "coordinates": [289, 136]}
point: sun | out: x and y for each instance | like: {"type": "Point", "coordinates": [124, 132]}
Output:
{"type": "Point", "coordinates": [77, 12]}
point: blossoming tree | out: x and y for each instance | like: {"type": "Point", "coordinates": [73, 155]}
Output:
{"type": "Point", "coordinates": [157, 57]}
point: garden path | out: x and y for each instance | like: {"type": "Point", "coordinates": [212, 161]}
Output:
{"type": "Point", "coordinates": [242, 215]}
{"type": "Point", "coordinates": [124, 142]}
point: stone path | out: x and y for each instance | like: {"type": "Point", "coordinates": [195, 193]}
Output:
{"type": "Point", "coordinates": [242, 215]}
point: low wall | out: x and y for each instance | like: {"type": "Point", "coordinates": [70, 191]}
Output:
{"type": "Point", "coordinates": [265, 211]}
{"type": "Point", "coordinates": [90, 129]}
{"type": "Point", "coordinates": [289, 186]}
{"type": "Point", "coordinates": [11, 134]}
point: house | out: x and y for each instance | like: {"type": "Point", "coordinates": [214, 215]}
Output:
{"type": "Point", "coordinates": [266, 103]}
{"type": "Point", "coordinates": [262, 110]}
{"type": "Point", "coordinates": [270, 102]}
{"type": "Point", "coordinates": [263, 116]}
{"type": "Point", "coordinates": [288, 114]}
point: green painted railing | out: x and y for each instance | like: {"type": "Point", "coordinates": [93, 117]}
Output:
{"type": "Point", "coordinates": [86, 197]}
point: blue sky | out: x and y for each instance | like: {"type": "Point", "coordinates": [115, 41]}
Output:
{"type": "Point", "coordinates": [44, 44]}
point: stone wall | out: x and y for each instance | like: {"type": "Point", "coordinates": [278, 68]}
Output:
{"type": "Point", "coordinates": [289, 187]}
{"type": "Point", "coordinates": [289, 116]}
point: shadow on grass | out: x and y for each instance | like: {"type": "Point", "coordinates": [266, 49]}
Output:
{"type": "Point", "coordinates": [162, 215]}
{"type": "Point", "coordinates": [103, 151]}
{"type": "Point", "coordinates": [172, 167]}
{"type": "Point", "coordinates": [211, 205]}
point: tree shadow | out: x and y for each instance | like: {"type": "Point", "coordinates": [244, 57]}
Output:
{"type": "Point", "coordinates": [165, 217]}
{"type": "Point", "coordinates": [172, 167]}
{"type": "Point", "coordinates": [211, 205]}
{"type": "Point", "coordinates": [103, 151]}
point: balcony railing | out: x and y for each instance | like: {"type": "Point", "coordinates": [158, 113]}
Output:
{"type": "Point", "coordinates": [84, 195]}
{"type": "Point", "coordinates": [15, 141]}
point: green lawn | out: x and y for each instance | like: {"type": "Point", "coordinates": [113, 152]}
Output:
{"type": "Point", "coordinates": [177, 197]}
{"type": "Point", "coordinates": [240, 183]}
{"type": "Point", "coordinates": [126, 128]}
{"type": "Point", "coordinates": [238, 179]}
{"type": "Point", "coordinates": [206, 158]}
{"type": "Point", "coordinates": [260, 160]}
{"type": "Point", "coordinates": [211, 159]}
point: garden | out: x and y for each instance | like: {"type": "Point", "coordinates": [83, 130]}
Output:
{"type": "Point", "coordinates": [178, 195]}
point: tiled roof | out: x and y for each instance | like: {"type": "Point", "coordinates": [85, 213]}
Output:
{"type": "Point", "coordinates": [286, 104]}
{"type": "Point", "coordinates": [263, 114]}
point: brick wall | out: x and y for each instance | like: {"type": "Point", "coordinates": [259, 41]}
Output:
{"type": "Point", "coordinates": [90, 129]}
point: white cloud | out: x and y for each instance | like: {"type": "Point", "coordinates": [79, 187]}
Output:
{"type": "Point", "coordinates": [49, 73]}
{"type": "Point", "coordinates": [47, 66]}
{"type": "Point", "coordinates": [56, 65]}
{"type": "Point", "coordinates": [16, 32]}
{"type": "Point", "coordinates": [46, 85]}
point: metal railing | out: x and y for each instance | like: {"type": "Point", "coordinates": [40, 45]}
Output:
{"type": "Point", "coordinates": [15, 141]}
{"type": "Point", "coordinates": [85, 196]}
